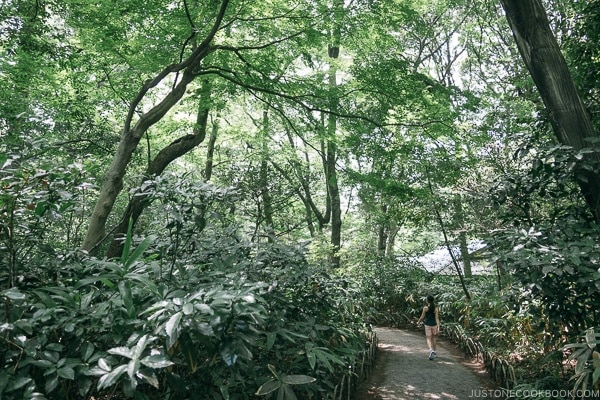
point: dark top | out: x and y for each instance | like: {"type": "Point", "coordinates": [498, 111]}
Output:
{"type": "Point", "coordinates": [430, 317]}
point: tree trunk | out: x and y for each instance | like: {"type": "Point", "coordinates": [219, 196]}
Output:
{"type": "Point", "coordinates": [440, 220]}
{"type": "Point", "coordinates": [264, 179]}
{"type": "Point", "coordinates": [178, 148]}
{"type": "Point", "coordinates": [332, 178]}
{"type": "Point", "coordinates": [331, 155]}
{"type": "Point", "coordinates": [389, 249]}
{"type": "Point", "coordinates": [210, 152]}
{"type": "Point", "coordinates": [541, 53]}
{"type": "Point", "coordinates": [459, 220]}
{"type": "Point", "coordinates": [382, 236]}
{"type": "Point", "coordinates": [130, 137]}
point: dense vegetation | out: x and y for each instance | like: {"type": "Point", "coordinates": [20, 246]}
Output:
{"type": "Point", "coordinates": [217, 199]}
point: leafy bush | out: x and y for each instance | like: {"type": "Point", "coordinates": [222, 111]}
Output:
{"type": "Point", "coordinates": [587, 357]}
{"type": "Point", "coordinates": [236, 327]}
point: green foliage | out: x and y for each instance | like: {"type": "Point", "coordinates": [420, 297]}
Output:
{"type": "Point", "coordinates": [551, 246]}
{"type": "Point", "coordinates": [198, 305]}
{"type": "Point", "coordinates": [587, 357]}
{"type": "Point", "coordinates": [118, 327]}
{"type": "Point", "coordinates": [283, 385]}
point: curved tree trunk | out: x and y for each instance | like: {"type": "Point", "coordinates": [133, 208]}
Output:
{"type": "Point", "coordinates": [173, 151]}
{"type": "Point", "coordinates": [130, 137]}
{"type": "Point", "coordinates": [541, 53]}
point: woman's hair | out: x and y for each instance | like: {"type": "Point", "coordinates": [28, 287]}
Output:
{"type": "Point", "coordinates": [431, 304]}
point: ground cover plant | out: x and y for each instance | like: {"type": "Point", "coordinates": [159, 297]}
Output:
{"type": "Point", "coordinates": [238, 328]}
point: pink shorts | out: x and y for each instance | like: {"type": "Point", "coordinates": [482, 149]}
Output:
{"type": "Point", "coordinates": [431, 330]}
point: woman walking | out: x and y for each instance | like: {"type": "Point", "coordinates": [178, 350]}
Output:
{"type": "Point", "coordinates": [431, 320]}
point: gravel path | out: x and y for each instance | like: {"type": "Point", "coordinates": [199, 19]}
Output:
{"type": "Point", "coordinates": [404, 372]}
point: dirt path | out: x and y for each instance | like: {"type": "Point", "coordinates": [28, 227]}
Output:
{"type": "Point", "coordinates": [404, 372]}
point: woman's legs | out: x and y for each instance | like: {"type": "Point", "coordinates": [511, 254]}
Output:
{"type": "Point", "coordinates": [431, 342]}
{"type": "Point", "coordinates": [431, 335]}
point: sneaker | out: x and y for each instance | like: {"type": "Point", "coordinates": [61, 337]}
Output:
{"type": "Point", "coordinates": [431, 354]}
{"type": "Point", "coordinates": [434, 354]}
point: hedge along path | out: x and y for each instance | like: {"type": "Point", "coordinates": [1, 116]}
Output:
{"type": "Point", "coordinates": [404, 372]}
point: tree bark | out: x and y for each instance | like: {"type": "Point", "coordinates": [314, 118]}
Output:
{"type": "Point", "coordinates": [210, 152]}
{"type": "Point", "coordinates": [542, 56]}
{"type": "Point", "coordinates": [382, 235]}
{"type": "Point", "coordinates": [459, 220]}
{"type": "Point", "coordinates": [130, 137]}
{"type": "Point", "coordinates": [333, 190]}
{"type": "Point", "coordinates": [173, 151]}
{"type": "Point", "coordinates": [264, 179]}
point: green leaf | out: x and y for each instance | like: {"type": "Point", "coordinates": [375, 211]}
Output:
{"type": "Point", "coordinates": [312, 358]}
{"type": "Point", "coordinates": [188, 308]}
{"type": "Point", "coordinates": [204, 308]}
{"type": "Point", "coordinates": [271, 336]}
{"type": "Point", "coordinates": [51, 384]}
{"type": "Point", "coordinates": [127, 244]}
{"type": "Point", "coordinates": [269, 386]}
{"type": "Point", "coordinates": [127, 297]}
{"type": "Point", "coordinates": [132, 369]}
{"type": "Point", "coordinates": [572, 346]}
{"type": "Point", "coordinates": [297, 379]}
{"type": "Point", "coordinates": [13, 294]}
{"type": "Point", "coordinates": [289, 392]}
{"type": "Point", "coordinates": [205, 329]}
{"type": "Point", "coordinates": [273, 370]}
{"type": "Point", "coordinates": [93, 279]}
{"type": "Point", "coordinates": [121, 351]}
{"type": "Point", "coordinates": [582, 360]}
{"type": "Point", "coordinates": [55, 347]}
{"type": "Point", "coordinates": [18, 383]}
{"type": "Point", "coordinates": [112, 377]}
{"type": "Point", "coordinates": [590, 338]}
{"type": "Point", "coordinates": [138, 252]}
{"type": "Point", "coordinates": [104, 365]}
{"type": "Point", "coordinates": [596, 375]}
{"type": "Point", "coordinates": [156, 361]}
{"type": "Point", "coordinates": [141, 346]}
{"type": "Point", "coordinates": [172, 328]}
{"type": "Point", "coordinates": [224, 391]}
{"type": "Point", "coordinates": [43, 363]}
{"type": "Point", "coordinates": [143, 280]}
{"type": "Point", "coordinates": [87, 350]}
{"type": "Point", "coordinates": [577, 354]}
{"type": "Point", "coordinates": [66, 372]}
{"type": "Point", "coordinates": [149, 377]}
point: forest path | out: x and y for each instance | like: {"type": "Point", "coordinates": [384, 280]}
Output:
{"type": "Point", "coordinates": [404, 372]}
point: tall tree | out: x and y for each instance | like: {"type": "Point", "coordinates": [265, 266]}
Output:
{"type": "Point", "coordinates": [569, 118]}
{"type": "Point", "coordinates": [331, 175]}
{"type": "Point", "coordinates": [132, 133]}
{"type": "Point", "coordinates": [165, 156]}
